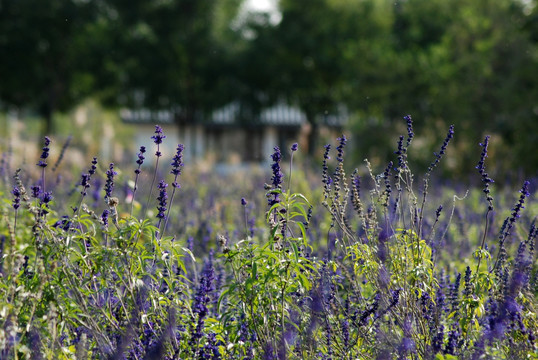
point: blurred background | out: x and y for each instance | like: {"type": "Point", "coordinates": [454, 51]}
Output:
{"type": "Point", "coordinates": [232, 78]}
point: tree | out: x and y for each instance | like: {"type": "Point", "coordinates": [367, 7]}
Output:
{"type": "Point", "coordinates": [42, 66]}
{"type": "Point", "coordinates": [300, 60]}
{"type": "Point", "coordinates": [170, 54]}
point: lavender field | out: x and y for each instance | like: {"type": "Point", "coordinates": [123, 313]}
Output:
{"type": "Point", "coordinates": [336, 261]}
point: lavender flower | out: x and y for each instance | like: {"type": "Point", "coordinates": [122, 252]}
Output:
{"type": "Point", "coordinates": [93, 167]}
{"type": "Point", "coordinates": [162, 198]}
{"type": "Point", "coordinates": [340, 148]}
{"type": "Point", "coordinates": [509, 222]}
{"type": "Point", "coordinates": [438, 340]}
{"type": "Point", "coordinates": [395, 294]}
{"type": "Point", "coordinates": [453, 341]}
{"type": "Point", "coordinates": [201, 301]}
{"type": "Point", "coordinates": [177, 164]}
{"type": "Point", "coordinates": [438, 212]}
{"type": "Point", "coordinates": [140, 160]}
{"type": "Point", "coordinates": [158, 138]}
{"type": "Point", "coordinates": [85, 178]}
{"type": "Point", "coordinates": [17, 197]}
{"type": "Point", "coordinates": [410, 134]}
{"type": "Point", "coordinates": [516, 211]}
{"type": "Point", "coordinates": [85, 183]}
{"type": "Point", "coordinates": [36, 191]}
{"type": "Point", "coordinates": [47, 197]}
{"type": "Point", "coordinates": [407, 345]}
{"type": "Point", "coordinates": [277, 176]}
{"type": "Point", "coordinates": [400, 152]}
{"type": "Point", "coordinates": [243, 202]}
{"type": "Point", "coordinates": [356, 192]}
{"type": "Point", "coordinates": [45, 154]}
{"type": "Point", "coordinates": [294, 147]}
{"type": "Point", "coordinates": [109, 184]}
{"type": "Point", "coordinates": [454, 293]}
{"type": "Point", "coordinates": [104, 218]}
{"type": "Point", "coordinates": [482, 170]}
{"type": "Point", "coordinates": [325, 174]}
{"type": "Point", "coordinates": [388, 190]}
{"type": "Point", "coordinates": [439, 155]}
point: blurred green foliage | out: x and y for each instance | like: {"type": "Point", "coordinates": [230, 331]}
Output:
{"type": "Point", "coordinates": [472, 63]}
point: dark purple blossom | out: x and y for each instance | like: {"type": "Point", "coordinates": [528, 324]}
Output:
{"type": "Point", "coordinates": [104, 217]}
{"type": "Point", "coordinates": [325, 173]}
{"type": "Point", "coordinates": [340, 148]}
{"type": "Point", "coordinates": [294, 147]}
{"type": "Point", "coordinates": [277, 176]}
{"type": "Point", "coordinates": [482, 170]}
{"type": "Point", "coordinates": [163, 199]}
{"type": "Point", "coordinates": [410, 133]}
{"type": "Point", "coordinates": [140, 160]}
{"type": "Point", "coordinates": [439, 155]}
{"type": "Point", "coordinates": [438, 340]}
{"type": "Point", "coordinates": [158, 137]}
{"type": "Point", "coordinates": [438, 212]}
{"type": "Point", "coordinates": [64, 223]}
{"type": "Point", "coordinates": [93, 167]}
{"type": "Point", "coordinates": [509, 222]}
{"type": "Point", "coordinates": [17, 197]}
{"type": "Point", "coordinates": [400, 152]}
{"type": "Point", "coordinates": [109, 184]}
{"type": "Point", "coordinates": [356, 192]}
{"type": "Point", "coordinates": [46, 197]}
{"type": "Point", "coordinates": [45, 154]}
{"type": "Point", "coordinates": [85, 183]}
{"type": "Point", "coordinates": [36, 191]}
{"type": "Point", "coordinates": [453, 342]}
{"type": "Point", "coordinates": [454, 293]}
{"type": "Point", "coordinates": [243, 202]}
{"type": "Point", "coordinates": [85, 178]}
{"type": "Point", "coordinates": [388, 190]}
{"type": "Point", "coordinates": [177, 164]}
{"type": "Point", "coordinates": [201, 302]}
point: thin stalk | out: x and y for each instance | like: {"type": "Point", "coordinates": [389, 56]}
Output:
{"type": "Point", "coordinates": [152, 183]}
{"type": "Point", "coordinates": [134, 192]}
{"type": "Point", "coordinates": [483, 241]}
{"type": "Point", "coordinates": [168, 211]}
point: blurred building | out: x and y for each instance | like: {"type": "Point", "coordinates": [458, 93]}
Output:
{"type": "Point", "coordinates": [232, 134]}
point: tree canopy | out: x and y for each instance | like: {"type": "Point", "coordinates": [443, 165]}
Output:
{"type": "Point", "coordinates": [472, 63]}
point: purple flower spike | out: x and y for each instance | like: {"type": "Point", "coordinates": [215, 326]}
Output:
{"type": "Point", "coordinates": [482, 170]}
{"type": "Point", "coordinates": [410, 133]}
{"type": "Point", "coordinates": [162, 198]}
{"type": "Point", "coordinates": [17, 200]}
{"type": "Point", "coordinates": [36, 190]}
{"type": "Point", "coordinates": [109, 185]}
{"type": "Point", "coordinates": [45, 154]}
{"type": "Point", "coordinates": [140, 159]}
{"type": "Point", "coordinates": [104, 217]}
{"type": "Point", "coordinates": [340, 148]}
{"type": "Point", "coordinates": [158, 137]}
{"type": "Point", "coordinates": [47, 197]}
{"type": "Point", "coordinates": [177, 164]}
{"type": "Point", "coordinates": [277, 175]}
{"type": "Point", "coordinates": [439, 155]}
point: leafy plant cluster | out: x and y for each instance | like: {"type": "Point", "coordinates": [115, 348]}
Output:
{"type": "Point", "coordinates": [391, 268]}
